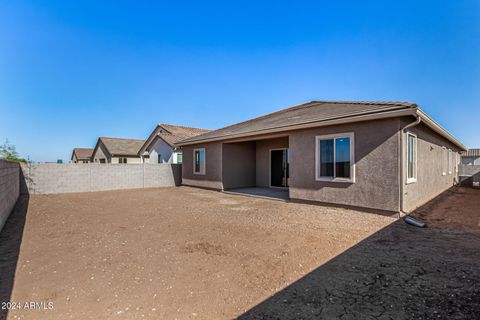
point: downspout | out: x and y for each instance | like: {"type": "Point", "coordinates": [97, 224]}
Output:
{"type": "Point", "coordinates": [402, 178]}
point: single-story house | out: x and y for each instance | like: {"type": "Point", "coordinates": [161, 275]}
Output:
{"type": "Point", "coordinates": [471, 157]}
{"type": "Point", "coordinates": [117, 150]}
{"type": "Point", "coordinates": [81, 155]}
{"type": "Point", "coordinates": [388, 156]}
{"type": "Point", "coordinates": [160, 144]}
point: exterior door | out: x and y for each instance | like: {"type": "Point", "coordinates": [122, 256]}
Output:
{"type": "Point", "coordinates": [279, 168]}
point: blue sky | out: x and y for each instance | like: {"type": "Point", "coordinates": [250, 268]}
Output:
{"type": "Point", "coordinates": [73, 71]}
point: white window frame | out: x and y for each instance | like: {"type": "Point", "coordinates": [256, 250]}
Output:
{"type": "Point", "coordinates": [202, 168]}
{"type": "Point", "coordinates": [415, 157]}
{"type": "Point", "coordinates": [444, 161]}
{"type": "Point", "coordinates": [334, 136]}
{"type": "Point", "coordinates": [449, 163]}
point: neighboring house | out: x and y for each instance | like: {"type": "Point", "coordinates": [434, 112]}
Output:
{"type": "Point", "coordinates": [389, 156]}
{"type": "Point", "coordinates": [471, 157]}
{"type": "Point", "coordinates": [82, 155]}
{"type": "Point", "coordinates": [160, 144]}
{"type": "Point", "coordinates": [117, 150]}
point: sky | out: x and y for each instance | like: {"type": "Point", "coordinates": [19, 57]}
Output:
{"type": "Point", "coordinates": [71, 71]}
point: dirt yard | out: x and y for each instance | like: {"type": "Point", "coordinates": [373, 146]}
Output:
{"type": "Point", "coordinates": [168, 253]}
{"type": "Point", "coordinates": [401, 272]}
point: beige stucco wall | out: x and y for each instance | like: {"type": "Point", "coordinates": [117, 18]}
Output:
{"type": "Point", "coordinates": [431, 164]}
{"type": "Point", "coordinates": [130, 160]}
{"type": "Point", "coordinates": [100, 154]}
{"type": "Point", "coordinates": [263, 158]}
{"type": "Point", "coordinates": [213, 166]}
{"type": "Point", "coordinates": [376, 166]}
{"type": "Point", "coordinates": [239, 164]}
{"type": "Point", "coordinates": [380, 166]}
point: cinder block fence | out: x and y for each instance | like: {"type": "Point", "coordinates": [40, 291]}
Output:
{"type": "Point", "coordinates": [66, 178]}
{"type": "Point", "coordinates": [9, 188]}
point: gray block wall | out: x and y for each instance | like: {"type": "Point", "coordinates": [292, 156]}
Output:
{"type": "Point", "coordinates": [469, 174]}
{"type": "Point", "coordinates": [67, 178]}
{"type": "Point", "coordinates": [9, 188]}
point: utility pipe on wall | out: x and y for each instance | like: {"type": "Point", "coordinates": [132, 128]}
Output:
{"type": "Point", "coordinates": [402, 162]}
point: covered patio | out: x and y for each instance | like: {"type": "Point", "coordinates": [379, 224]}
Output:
{"type": "Point", "coordinates": [257, 167]}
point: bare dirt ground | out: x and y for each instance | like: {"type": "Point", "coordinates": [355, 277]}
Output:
{"type": "Point", "coordinates": [173, 253]}
{"type": "Point", "coordinates": [401, 272]}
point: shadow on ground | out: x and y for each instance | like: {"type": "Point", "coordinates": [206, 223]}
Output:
{"type": "Point", "coordinates": [10, 241]}
{"type": "Point", "coordinates": [401, 272]}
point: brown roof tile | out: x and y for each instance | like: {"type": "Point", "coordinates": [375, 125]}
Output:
{"type": "Point", "coordinates": [304, 113]}
{"type": "Point", "coordinates": [471, 153]}
{"type": "Point", "coordinates": [120, 146]}
{"type": "Point", "coordinates": [171, 134]}
{"type": "Point", "coordinates": [83, 153]}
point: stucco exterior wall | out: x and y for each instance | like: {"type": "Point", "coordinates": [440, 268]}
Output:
{"type": "Point", "coordinates": [239, 164]}
{"type": "Point", "coordinates": [9, 188]}
{"type": "Point", "coordinates": [263, 158]}
{"type": "Point", "coordinates": [376, 166]}
{"type": "Point", "coordinates": [164, 150]}
{"type": "Point", "coordinates": [431, 164]}
{"type": "Point", "coordinates": [101, 153]}
{"type": "Point", "coordinates": [213, 166]}
{"type": "Point", "coordinates": [130, 160]}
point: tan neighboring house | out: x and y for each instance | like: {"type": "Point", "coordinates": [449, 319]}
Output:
{"type": "Point", "coordinates": [117, 150]}
{"type": "Point", "coordinates": [81, 155]}
{"type": "Point", "coordinates": [388, 156]}
{"type": "Point", "coordinates": [471, 157]}
{"type": "Point", "coordinates": [160, 145]}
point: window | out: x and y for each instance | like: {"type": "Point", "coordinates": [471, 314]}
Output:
{"type": "Point", "coordinates": [122, 160]}
{"type": "Point", "coordinates": [444, 161]}
{"type": "Point", "coordinates": [411, 158]}
{"type": "Point", "coordinates": [199, 161]}
{"type": "Point", "coordinates": [179, 157]}
{"type": "Point", "coordinates": [449, 161]}
{"type": "Point", "coordinates": [334, 157]}
{"type": "Point", "coordinates": [159, 158]}
{"type": "Point", "coordinates": [102, 160]}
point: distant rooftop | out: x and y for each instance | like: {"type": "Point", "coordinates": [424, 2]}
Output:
{"type": "Point", "coordinates": [472, 153]}
{"type": "Point", "coordinates": [83, 153]}
{"type": "Point", "coordinates": [121, 146]}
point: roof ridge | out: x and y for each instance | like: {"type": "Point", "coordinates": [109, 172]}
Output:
{"type": "Point", "coordinates": [180, 126]}
{"type": "Point", "coordinates": [120, 138]}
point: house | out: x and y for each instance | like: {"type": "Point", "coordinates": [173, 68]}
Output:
{"type": "Point", "coordinates": [160, 144]}
{"type": "Point", "coordinates": [471, 157]}
{"type": "Point", "coordinates": [81, 155]}
{"type": "Point", "coordinates": [388, 156]}
{"type": "Point", "coordinates": [117, 150]}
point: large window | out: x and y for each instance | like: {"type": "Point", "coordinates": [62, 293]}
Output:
{"type": "Point", "coordinates": [335, 157]}
{"type": "Point", "coordinates": [199, 161]}
{"type": "Point", "coordinates": [411, 158]}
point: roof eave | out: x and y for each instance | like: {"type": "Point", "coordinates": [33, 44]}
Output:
{"type": "Point", "coordinates": [306, 125]}
{"type": "Point", "coordinates": [365, 117]}
{"type": "Point", "coordinates": [432, 124]}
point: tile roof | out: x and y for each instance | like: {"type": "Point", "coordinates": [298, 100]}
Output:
{"type": "Point", "coordinates": [171, 134]}
{"type": "Point", "coordinates": [83, 153]}
{"type": "Point", "coordinates": [471, 153]}
{"type": "Point", "coordinates": [314, 111]}
{"type": "Point", "coordinates": [120, 146]}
